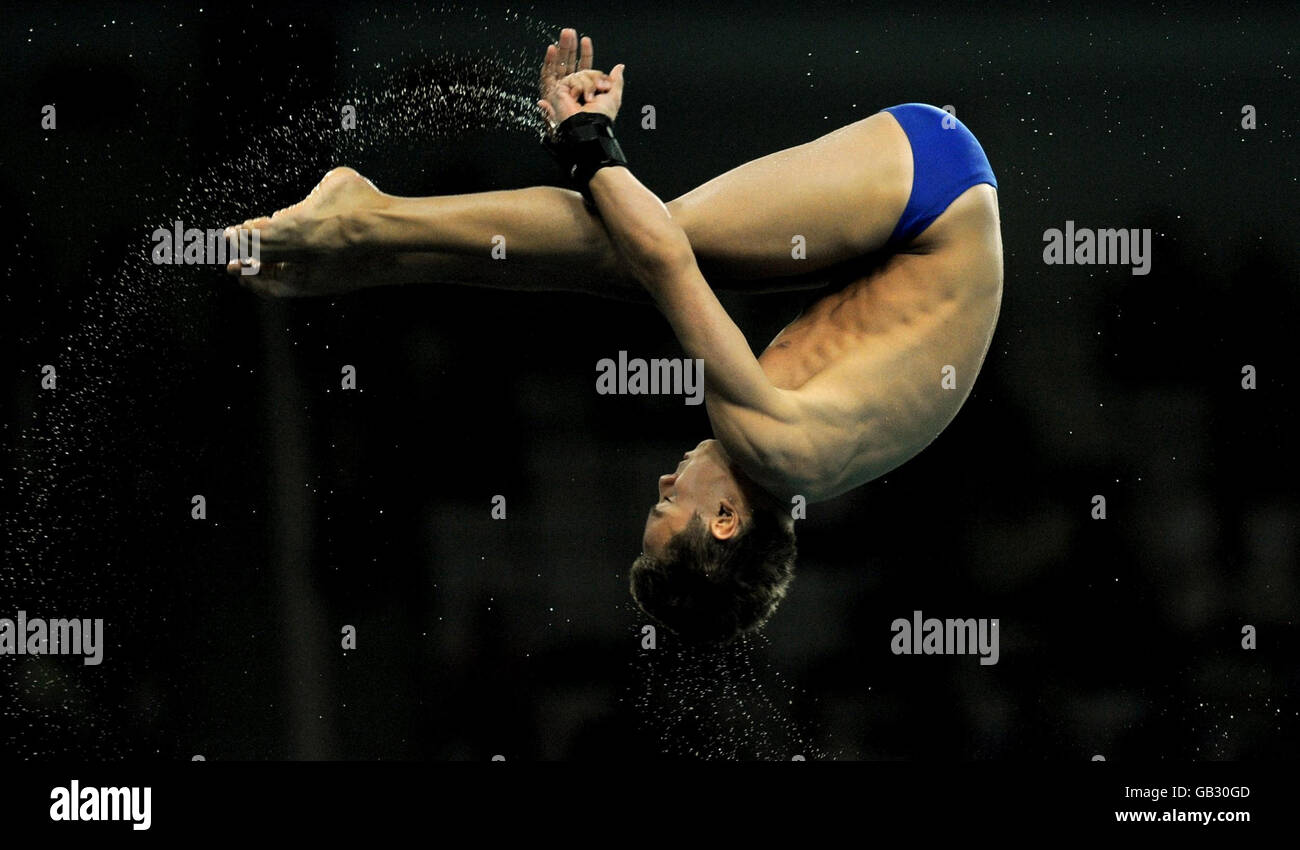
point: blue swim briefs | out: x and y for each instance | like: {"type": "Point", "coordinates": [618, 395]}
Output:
{"type": "Point", "coordinates": [946, 161]}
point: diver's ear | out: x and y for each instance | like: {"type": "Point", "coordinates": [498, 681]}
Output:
{"type": "Point", "coordinates": [726, 523]}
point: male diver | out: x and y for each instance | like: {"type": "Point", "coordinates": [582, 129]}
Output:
{"type": "Point", "coordinates": [900, 208]}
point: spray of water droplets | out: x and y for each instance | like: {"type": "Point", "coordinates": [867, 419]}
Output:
{"type": "Point", "coordinates": [145, 327]}
{"type": "Point", "coordinates": [720, 704]}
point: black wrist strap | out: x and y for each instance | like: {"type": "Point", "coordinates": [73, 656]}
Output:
{"type": "Point", "coordinates": [583, 144]}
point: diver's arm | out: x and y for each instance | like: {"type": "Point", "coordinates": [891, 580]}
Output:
{"type": "Point", "coordinates": [764, 426]}
{"type": "Point", "coordinates": [658, 253]}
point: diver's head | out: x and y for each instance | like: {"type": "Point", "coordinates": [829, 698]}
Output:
{"type": "Point", "coordinates": [718, 551]}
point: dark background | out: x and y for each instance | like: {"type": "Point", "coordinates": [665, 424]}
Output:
{"type": "Point", "coordinates": [1120, 637]}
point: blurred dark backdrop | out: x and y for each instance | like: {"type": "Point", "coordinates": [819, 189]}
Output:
{"type": "Point", "coordinates": [479, 637]}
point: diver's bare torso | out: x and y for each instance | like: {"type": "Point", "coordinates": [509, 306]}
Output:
{"type": "Point", "coordinates": [869, 360]}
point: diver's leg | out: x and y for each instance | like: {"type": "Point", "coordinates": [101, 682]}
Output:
{"type": "Point", "coordinates": [787, 214]}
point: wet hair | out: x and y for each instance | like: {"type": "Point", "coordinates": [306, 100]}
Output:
{"type": "Point", "coordinates": [711, 591]}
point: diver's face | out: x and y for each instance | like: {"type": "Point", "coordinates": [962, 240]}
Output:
{"type": "Point", "coordinates": [701, 482]}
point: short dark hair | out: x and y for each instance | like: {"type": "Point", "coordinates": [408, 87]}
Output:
{"type": "Point", "coordinates": [711, 591]}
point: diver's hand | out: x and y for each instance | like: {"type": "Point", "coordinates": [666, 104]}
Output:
{"type": "Point", "coordinates": [570, 85]}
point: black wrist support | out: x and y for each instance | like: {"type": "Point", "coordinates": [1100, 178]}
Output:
{"type": "Point", "coordinates": [583, 144]}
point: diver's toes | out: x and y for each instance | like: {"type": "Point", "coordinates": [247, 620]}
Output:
{"type": "Point", "coordinates": [244, 267]}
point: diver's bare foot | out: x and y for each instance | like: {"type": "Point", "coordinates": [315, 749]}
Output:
{"type": "Point", "coordinates": [320, 225]}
